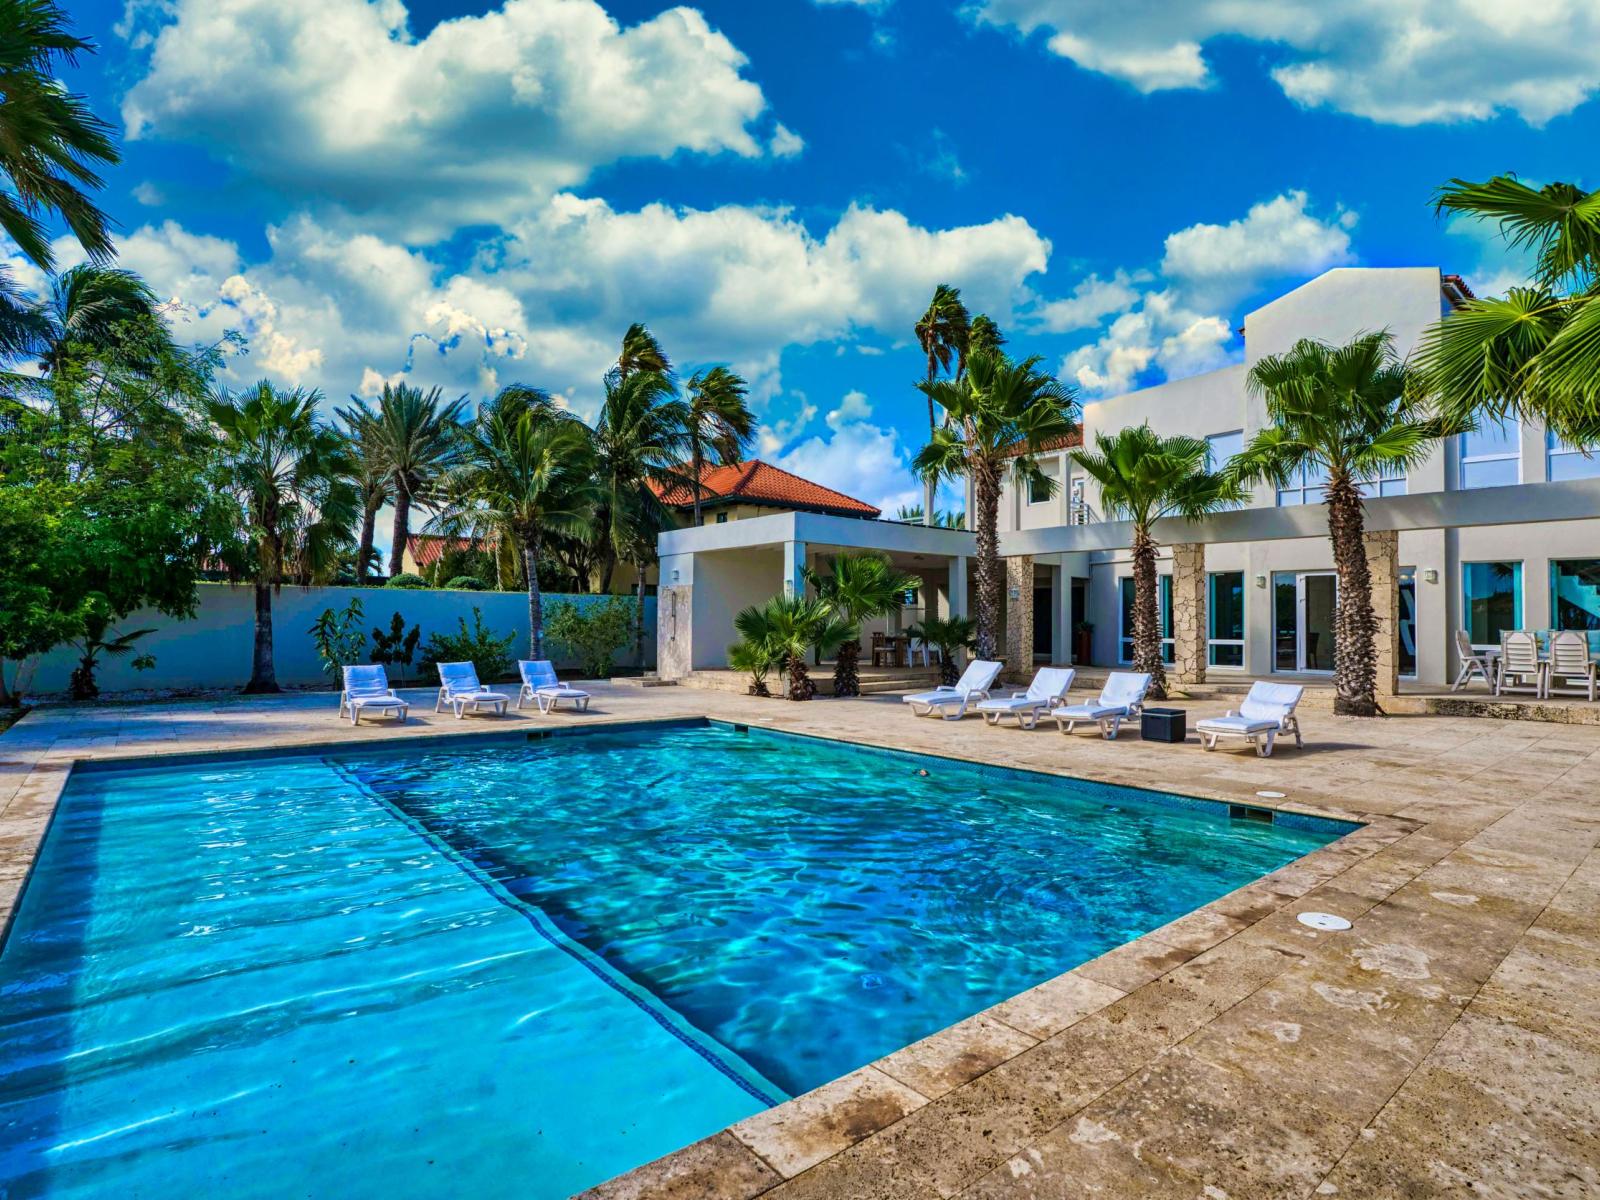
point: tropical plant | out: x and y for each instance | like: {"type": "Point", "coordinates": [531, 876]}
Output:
{"type": "Point", "coordinates": [755, 659]}
{"type": "Point", "coordinates": [791, 627]}
{"type": "Point", "coordinates": [416, 435]}
{"type": "Point", "coordinates": [857, 588]}
{"type": "Point", "coordinates": [396, 646]}
{"type": "Point", "coordinates": [337, 638]}
{"type": "Point", "coordinates": [984, 336]}
{"type": "Point", "coordinates": [100, 639]}
{"type": "Point", "coordinates": [592, 632]}
{"type": "Point", "coordinates": [527, 472]}
{"type": "Point", "coordinates": [641, 352]}
{"type": "Point", "coordinates": [1349, 412]}
{"type": "Point", "coordinates": [942, 518]}
{"type": "Point", "coordinates": [488, 652]}
{"type": "Point", "coordinates": [89, 311]}
{"type": "Point", "coordinates": [1534, 352]}
{"type": "Point", "coordinates": [947, 635]}
{"type": "Point", "coordinates": [287, 470]}
{"type": "Point", "coordinates": [718, 423]}
{"type": "Point", "coordinates": [1142, 478]}
{"type": "Point", "coordinates": [943, 332]}
{"type": "Point", "coordinates": [463, 583]}
{"type": "Point", "coordinates": [371, 477]}
{"type": "Point", "coordinates": [639, 440]}
{"type": "Point", "coordinates": [406, 579]}
{"type": "Point", "coordinates": [998, 417]}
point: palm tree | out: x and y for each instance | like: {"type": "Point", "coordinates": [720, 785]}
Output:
{"type": "Point", "coordinates": [947, 635]}
{"type": "Point", "coordinates": [372, 477]}
{"type": "Point", "coordinates": [717, 423]}
{"type": "Point", "coordinates": [1143, 477]}
{"type": "Point", "coordinates": [289, 472]}
{"type": "Point", "coordinates": [942, 333]}
{"type": "Point", "coordinates": [791, 627]}
{"type": "Point", "coordinates": [1349, 411]}
{"type": "Point", "coordinates": [857, 588]}
{"type": "Point", "coordinates": [50, 142]}
{"type": "Point", "coordinates": [984, 336]}
{"type": "Point", "coordinates": [526, 471]}
{"type": "Point", "coordinates": [91, 308]}
{"type": "Point", "coordinates": [418, 436]}
{"type": "Point", "coordinates": [641, 352]}
{"type": "Point", "coordinates": [754, 659]}
{"type": "Point", "coordinates": [998, 416]}
{"type": "Point", "coordinates": [942, 518]}
{"type": "Point", "coordinates": [1535, 352]}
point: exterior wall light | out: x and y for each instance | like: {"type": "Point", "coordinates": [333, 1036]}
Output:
{"type": "Point", "coordinates": [1431, 575]}
{"type": "Point", "coordinates": [1261, 581]}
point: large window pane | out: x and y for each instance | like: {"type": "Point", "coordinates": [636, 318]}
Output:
{"type": "Point", "coordinates": [1575, 593]}
{"type": "Point", "coordinates": [1220, 447]}
{"type": "Point", "coordinates": [1566, 462]}
{"type": "Point", "coordinates": [1408, 621]}
{"type": "Point", "coordinates": [1285, 623]}
{"type": "Point", "coordinates": [1491, 472]}
{"type": "Point", "coordinates": [1225, 612]}
{"type": "Point", "coordinates": [1492, 455]}
{"type": "Point", "coordinates": [1163, 618]}
{"type": "Point", "coordinates": [1491, 600]}
{"type": "Point", "coordinates": [1492, 438]}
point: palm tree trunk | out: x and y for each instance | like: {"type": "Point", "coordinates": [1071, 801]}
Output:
{"type": "Point", "coordinates": [986, 486]}
{"type": "Point", "coordinates": [801, 686]}
{"type": "Point", "coordinates": [263, 678]}
{"type": "Point", "coordinates": [1355, 668]}
{"type": "Point", "coordinates": [1146, 615]}
{"type": "Point", "coordinates": [696, 459]}
{"type": "Point", "coordinates": [369, 521]}
{"type": "Point", "coordinates": [608, 568]}
{"type": "Point", "coordinates": [401, 527]}
{"type": "Point", "coordinates": [530, 561]}
{"type": "Point", "coordinates": [846, 669]}
{"type": "Point", "coordinates": [638, 611]}
{"type": "Point", "coordinates": [928, 485]}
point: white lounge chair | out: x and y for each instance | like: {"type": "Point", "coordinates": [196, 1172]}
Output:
{"type": "Point", "coordinates": [1265, 713]}
{"type": "Point", "coordinates": [1473, 661]}
{"type": "Point", "coordinates": [1120, 700]}
{"type": "Point", "coordinates": [539, 684]}
{"type": "Point", "coordinates": [368, 687]}
{"type": "Point", "coordinates": [1570, 661]}
{"type": "Point", "coordinates": [1519, 668]}
{"type": "Point", "coordinates": [1049, 688]}
{"type": "Point", "coordinates": [952, 703]}
{"type": "Point", "coordinates": [459, 687]}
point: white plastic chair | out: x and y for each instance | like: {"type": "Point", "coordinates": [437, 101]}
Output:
{"type": "Point", "coordinates": [459, 687]}
{"type": "Point", "coordinates": [1120, 700]}
{"type": "Point", "coordinates": [1265, 713]}
{"type": "Point", "coordinates": [1520, 661]}
{"type": "Point", "coordinates": [1570, 661]}
{"type": "Point", "coordinates": [1472, 660]}
{"type": "Point", "coordinates": [951, 703]}
{"type": "Point", "coordinates": [368, 687]}
{"type": "Point", "coordinates": [539, 684]}
{"type": "Point", "coordinates": [1049, 688]}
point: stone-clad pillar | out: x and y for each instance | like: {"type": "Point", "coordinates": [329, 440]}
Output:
{"type": "Point", "coordinates": [1019, 617]}
{"type": "Point", "coordinates": [1383, 564]}
{"type": "Point", "coordinates": [1189, 628]}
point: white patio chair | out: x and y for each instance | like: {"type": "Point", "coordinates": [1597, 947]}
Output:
{"type": "Point", "coordinates": [1049, 688]}
{"type": "Point", "coordinates": [1120, 700]}
{"type": "Point", "coordinates": [920, 646]}
{"type": "Point", "coordinates": [368, 687]}
{"type": "Point", "coordinates": [1519, 664]}
{"type": "Point", "coordinates": [1570, 661]}
{"type": "Point", "coordinates": [952, 703]}
{"type": "Point", "coordinates": [459, 687]}
{"type": "Point", "coordinates": [1472, 660]}
{"type": "Point", "coordinates": [539, 684]}
{"type": "Point", "coordinates": [1265, 713]}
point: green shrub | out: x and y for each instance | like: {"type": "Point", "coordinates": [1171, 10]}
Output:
{"type": "Point", "coordinates": [395, 647]}
{"type": "Point", "coordinates": [491, 655]}
{"type": "Point", "coordinates": [339, 643]}
{"type": "Point", "coordinates": [591, 633]}
{"type": "Point", "coordinates": [406, 580]}
{"type": "Point", "coordinates": [465, 583]}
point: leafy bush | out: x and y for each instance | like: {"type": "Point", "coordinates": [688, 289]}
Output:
{"type": "Point", "coordinates": [339, 643]}
{"type": "Point", "coordinates": [491, 655]}
{"type": "Point", "coordinates": [406, 580]}
{"type": "Point", "coordinates": [592, 633]}
{"type": "Point", "coordinates": [755, 659]}
{"type": "Point", "coordinates": [465, 583]}
{"type": "Point", "coordinates": [396, 647]}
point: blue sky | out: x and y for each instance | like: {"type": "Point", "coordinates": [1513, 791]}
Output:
{"type": "Point", "coordinates": [469, 194]}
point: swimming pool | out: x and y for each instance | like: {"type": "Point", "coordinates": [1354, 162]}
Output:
{"type": "Point", "coordinates": [518, 967]}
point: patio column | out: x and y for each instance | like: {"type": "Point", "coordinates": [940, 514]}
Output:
{"type": "Point", "coordinates": [1019, 616]}
{"type": "Point", "coordinates": [1189, 629]}
{"type": "Point", "coordinates": [958, 586]}
{"type": "Point", "coordinates": [1383, 564]}
{"type": "Point", "coordinates": [794, 558]}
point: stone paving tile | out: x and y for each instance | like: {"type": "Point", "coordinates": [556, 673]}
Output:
{"type": "Point", "coordinates": [718, 1168]}
{"type": "Point", "coordinates": [947, 1059]}
{"type": "Point", "coordinates": [818, 1125]}
{"type": "Point", "coordinates": [1053, 1005]}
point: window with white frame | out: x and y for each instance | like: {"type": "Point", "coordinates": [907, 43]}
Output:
{"type": "Point", "coordinates": [1305, 486]}
{"type": "Point", "coordinates": [1163, 619]}
{"type": "Point", "coordinates": [1390, 481]}
{"type": "Point", "coordinates": [1220, 447]}
{"type": "Point", "coordinates": [1491, 455]}
{"type": "Point", "coordinates": [1225, 612]}
{"type": "Point", "coordinates": [1040, 485]}
{"type": "Point", "coordinates": [1568, 462]}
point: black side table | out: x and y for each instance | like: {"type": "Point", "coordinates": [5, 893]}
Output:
{"type": "Point", "coordinates": [1163, 725]}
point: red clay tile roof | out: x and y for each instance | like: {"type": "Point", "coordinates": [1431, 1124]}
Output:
{"type": "Point", "coordinates": [426, 548]}
{"type": "Point", "coordinates": [1067, 441]}
{"type": "Point", "coordinates": [1456, 290]}
{"type": "Point", "coordinates": [757, 482]}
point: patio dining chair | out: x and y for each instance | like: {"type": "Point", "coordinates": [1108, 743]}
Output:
{"type": "Point", "coordinates": [1473, 661]}
{"type": "Point", "coordinates": [1519, 669]}
{"type": "Point", "coordinates": [1570, 661]}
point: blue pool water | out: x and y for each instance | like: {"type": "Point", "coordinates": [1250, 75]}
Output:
{"type": "Point", "coordinates": [519, 968]}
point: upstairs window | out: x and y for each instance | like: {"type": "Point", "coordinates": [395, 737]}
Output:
{"type": "Point", "coordinates": [1491, 456]}
{"type": "Point", "coordinates": [1305, 486]}
{"type": "Point", "coordinates": [1568, 462]}
{"type": "Point", "coordinates": [1391, 481]}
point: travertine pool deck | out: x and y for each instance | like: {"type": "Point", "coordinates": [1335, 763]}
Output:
{"type": "Point", "coordinates": [1447, 1045]}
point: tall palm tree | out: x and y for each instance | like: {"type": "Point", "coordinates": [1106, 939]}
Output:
{"type": "Point", "coordinates": [419, 437]}
{"type": "Point", "coordinates": [791, 627]}
{"type": "Point", "coordinates": [91, 308]}
{"type": "Point", "coordinates": [51, 144]}
{"type": "Point", "coordinates": [718, 422]}
{"type": "Point", "coordinates": [857, 588]}
{"type": "Point", "coordinates": [1350, 411]}
{"type": "Point", "coordinates": [641, 352]}
{"type": "Point", "coordinates": [984, 336]}
{"type": "Point", "coordinates": [526, 471]}
{"type": "Point", "coordinates": [289, 472]}
{"type": "Point", "coordinates": [371, 476]}
{"type": "Point", "coordinates": [1143, 477]}
{"type": "Point", "coordinates": [997, 417]}
{"type": "Point", "coordinates": [1534, 352]}
{"type": "Point", "coordinates": [942, 332]}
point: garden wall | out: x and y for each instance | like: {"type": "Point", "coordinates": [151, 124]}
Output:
{"type": "Point", "coordinates": [214, 649]}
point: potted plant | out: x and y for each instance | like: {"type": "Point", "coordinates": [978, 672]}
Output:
{"type": "Point", "coordinates": [1082, 642]}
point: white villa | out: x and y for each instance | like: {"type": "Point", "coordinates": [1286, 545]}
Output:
{"type": "Point", "coordinates": [1498, 530]}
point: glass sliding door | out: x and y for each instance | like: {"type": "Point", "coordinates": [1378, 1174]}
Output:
{"type": "Point", "coordinates": [1491, 600]}
{"type": "Point", "coordinates": [1408, 621]}
{"type": "Point", "coordinates": [1163, 618]}
{"type": "Point", "coordinates": [1225, 612]}
{"type": "Point", "coordinates": [1575, 593]}
{"type": "Point", "coordinates": [1304, 605]}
